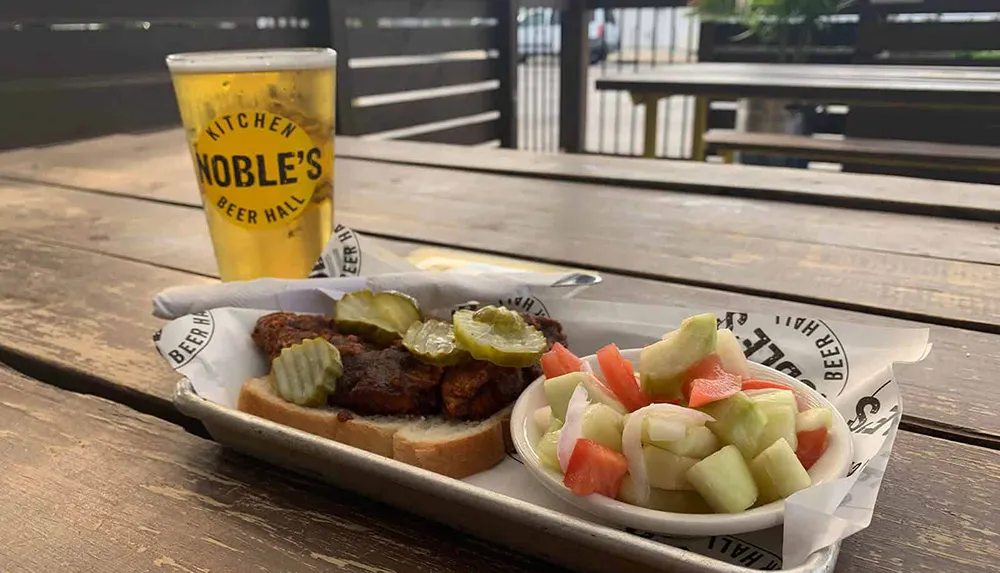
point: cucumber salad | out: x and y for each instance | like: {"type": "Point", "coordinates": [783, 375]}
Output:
{"type": "Point", "coordinates": [691, 432]}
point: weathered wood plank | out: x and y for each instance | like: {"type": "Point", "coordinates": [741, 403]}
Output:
{"type": "Point", "coordinates": [917, 525]}
{"type": "Point", "coordinates": [390, 79]}
{"type": "Point", "coordinates": [118, 491]}
{"type": "Point", "coordinates": [153, 172]}
{"type": "Point", "coordinates": [157, 166]}
{"type": "Point", "coordinates": [836, 258]}
{"type": "Point", "coordinates": [91, 485]}
{"type": "Point", "coordinates": [857, 148]}
{"type": "Point", "coordinates": [177, 237]}
{"type": "Point", "coordinates": [56, 164]}
{"type": "Point", "coordinates": [89, 317]}
{"type": "Point", "coordinates": [882, 193]}
{"type": "Point", "coordinates": [379, 118]}
{"type": "Point", "coordinates": [851, 84]}
{"type": "Point", "coordinates": [383, 42]}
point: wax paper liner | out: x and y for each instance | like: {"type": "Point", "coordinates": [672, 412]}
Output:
{"type": "Point", "coordinates": [850, 364]}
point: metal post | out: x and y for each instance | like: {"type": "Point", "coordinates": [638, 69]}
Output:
{"type": "Point", "coordinates": [339, 41]}
{"type": "Point", "coordinates": [506, 70]}
{"type": "Point", "coordinates": [574, 63]}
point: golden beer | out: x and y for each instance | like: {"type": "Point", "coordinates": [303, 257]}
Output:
{"type": "Point", "coordinates": [260, 125]}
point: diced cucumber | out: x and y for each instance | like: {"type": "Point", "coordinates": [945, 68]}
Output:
{"type": "Point", "coordinates": [814, 419]}
{"type": "Point", "coordinates": [739, 422]}
{"type": "Point", "coordinates": [697, 442]}
{"type": "Point", "coordinates": [780, 409]}
{"type": "Point", "coordinates": [778, 473]}
{"type": "Point", "coordinates": [724, 481]}
{"type": "Point", "coordinates": [559, 389]}
{"type": "Point", "coordinates": [657, 426]}
{"type": "Point", "coordinates": [662, 365]}
{"type": "Point", "coordinates": [666, 470]}
{"type": "Point", "coordinates": [555, 424]}
{"type": "Point", "coordinates": [676, 501]}
{"type": "Point", "coordinates": [546, 450]}
{"type": "Point", "coordinates": [731, 353]}
{"type": "Point", "coordinates": [604, 425]}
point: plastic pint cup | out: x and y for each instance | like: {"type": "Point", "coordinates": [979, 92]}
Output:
{"type": "Point", "coordinates": [260, 126]}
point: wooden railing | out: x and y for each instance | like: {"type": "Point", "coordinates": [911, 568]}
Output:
{"type": "Point", "coordinates": [426, 70]}
{"type": "Point", "coordinates": [431, 70]}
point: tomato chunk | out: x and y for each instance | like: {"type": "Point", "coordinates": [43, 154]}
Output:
{"type": "Point", "coordinates": [812, 444]}
{"type": "Point", "coordinates": [764, 385]}
{"type": "Point", "coordinates": [594, 468]}
{"type": "Point", "coordinates": [620, 378]}
{"type": "Point", "coordinates": [559, 361]}
{"type": "Point", "coordinates": [708, 382]}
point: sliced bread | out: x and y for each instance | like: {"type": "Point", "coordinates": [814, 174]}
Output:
{"type": "Point", "coordinates": [450, 447]}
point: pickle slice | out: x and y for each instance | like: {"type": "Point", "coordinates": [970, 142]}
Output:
{"type": "Point", "coordinates": [433, 342]}
{"type": "Point", "coordinates": [499, 335]}
{"type": "Point", "coordinates": [382, 317]}
{"type": "Point", "coordinates": [306, 373]}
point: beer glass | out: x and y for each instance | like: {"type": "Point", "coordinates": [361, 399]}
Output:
{"type": "Point", "coordinates": [260, 126]}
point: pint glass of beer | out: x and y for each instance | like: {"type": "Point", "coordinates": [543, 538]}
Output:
{"type": "Point", "coordinates": [260, 127]}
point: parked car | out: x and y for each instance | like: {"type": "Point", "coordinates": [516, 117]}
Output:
{"type": "Point", "coordinates": [539, 33]}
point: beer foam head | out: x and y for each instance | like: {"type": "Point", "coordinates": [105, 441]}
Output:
{"type": "Point", "coordinates": [252, 60]}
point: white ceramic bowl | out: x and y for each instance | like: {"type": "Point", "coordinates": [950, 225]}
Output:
{"type": "Point", "coordinates": [832, 465]}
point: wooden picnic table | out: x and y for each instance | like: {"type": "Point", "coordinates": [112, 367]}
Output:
{"type": "Point", "coordinates": [919, 86]}
{"type": "Point", "coordinates": [99, 472]}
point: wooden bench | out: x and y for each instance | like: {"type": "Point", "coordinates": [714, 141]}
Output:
{"type": "Point", "coordinates": [862, 150]}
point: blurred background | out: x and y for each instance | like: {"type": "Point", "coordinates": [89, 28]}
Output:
{"type": "Point", "coordinates": [478, 72]}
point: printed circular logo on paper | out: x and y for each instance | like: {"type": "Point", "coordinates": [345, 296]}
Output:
{"type": "Point", "coordinates": [341, 257]}
{"type": "Point", "coordinates": [257, 169]}
{"type": "Point", "coordinates": [182, 339]}
{"type": "Point", "coordinates": [803, 348]}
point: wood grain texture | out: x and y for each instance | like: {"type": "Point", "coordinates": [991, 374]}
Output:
{"type": "Point", "coordinates": [936, 511]}
{"type": "Point", "coordinates": [917, 85]}
{"type": "Point", "coordinates": [973, 156]}
{"type": "Point", "coordinates": [102, 161]}
{"type": "Point", "coordinates": [121, 491]}
{"type": "Point", "coordinates": [89, 317]}
{"type": "Point", "coordinates": [797, 185]}
{"type": "Point", "coordinates": [947, 391]}
{"type": "Point", "coordinates": [883, 263]}
{"type": "Point", "coordinates": [91, 485]}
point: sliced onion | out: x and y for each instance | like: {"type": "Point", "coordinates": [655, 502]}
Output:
{"type": "Point", "coordinates": [632, 448]}
{"type": "Point", "coordinates": [543, 417]}
{"type": "Point", "coordinates": [572, 430]}
{"type": "Point", "coordinates": [666, 428]}
{"type": "Point", "coordinates": [690, 416]}
{"type": "Point", "coordinates": [632, 441]}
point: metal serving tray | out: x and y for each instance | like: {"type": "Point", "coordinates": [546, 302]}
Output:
{"type": "Point", "coordinates": [545, 533]}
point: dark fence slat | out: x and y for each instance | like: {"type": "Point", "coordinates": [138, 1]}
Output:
{"type": "Point", "coordinates": [388, 117]}
{"type": "Point", "coordinates": [390, 79]}
{"type": "Point", "coordinates": [44, 54]}
{"type": "Point", "coordinates": [935, 36]}
{"type": "Point", "coordinates": [371, 10]}
{"type": "Point", "coordinates": [469, 134]}
{"type": "Point", "coordinates": [833, 35]}
{"type": "Point", "coordinates": [938, 6]}
{"type": "Point", "coordinates": [45, 116]}
{"type": "Point", "coordinates": [77, 10]}
{"type": "Point", "coordinates": [505, 69]}
{"type": "Point", "coordinates": [376, 42]}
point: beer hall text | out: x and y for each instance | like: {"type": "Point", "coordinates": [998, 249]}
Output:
{"type": "Point", "coordinates": [257, 168]}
